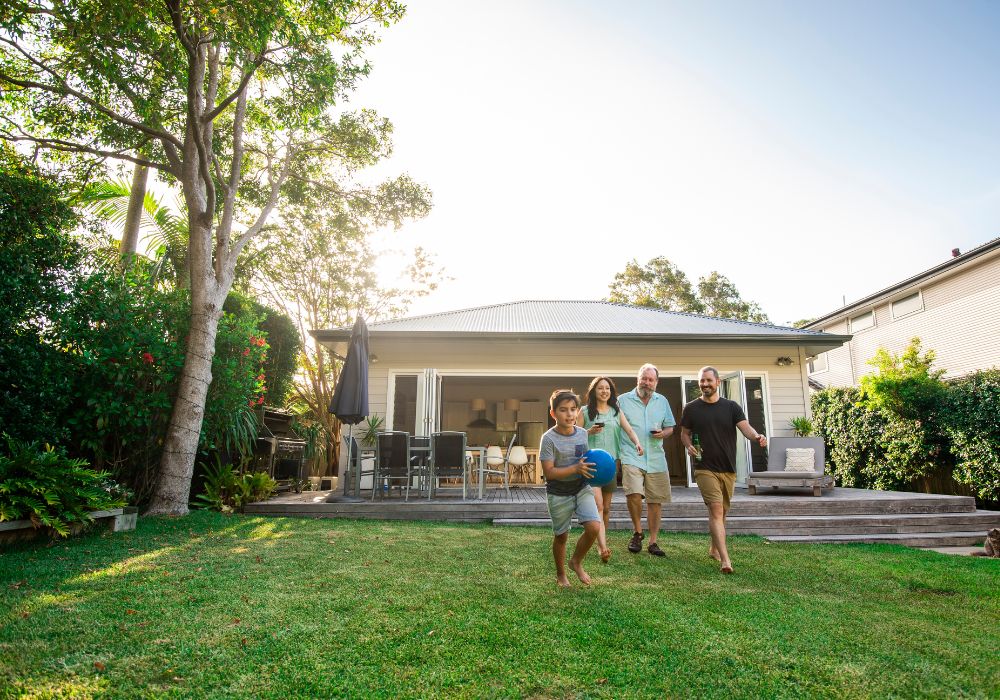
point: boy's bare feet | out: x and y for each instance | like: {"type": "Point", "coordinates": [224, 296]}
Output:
{"type": "Point", "coordinates": [580, 573]}
{"type": "Point", "coordinates": [606, 555]}
{"type": "Point", "coordinates": [562, 581]}
{"type": "Point", "coordinates": [726, 568]}
{"type": "Point", "coordinates": [715, 555]}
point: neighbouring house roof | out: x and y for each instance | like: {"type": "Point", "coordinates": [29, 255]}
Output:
{"type": "Point", "coordinates": [988, 248]}
{"type": "Point", "coordinates": [593, 320]}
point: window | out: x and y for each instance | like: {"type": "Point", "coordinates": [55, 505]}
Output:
{"type": "Point", "coordinates": [907, 305]}
{"type": "Point", "coordinates": [818, 363]}
{"type": "Point", "coordinates": [863, 321]}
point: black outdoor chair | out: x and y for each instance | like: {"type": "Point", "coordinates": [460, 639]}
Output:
{"type": "Point", "coordinates": [392, 462]}
{"type": "Point", "coordinates": [354, 470]}
{"type": "Point", "coordinates": [448, 460]}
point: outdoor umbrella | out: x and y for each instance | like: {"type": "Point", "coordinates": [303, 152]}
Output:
{"type": "Point", "coordinates": [350, 397]}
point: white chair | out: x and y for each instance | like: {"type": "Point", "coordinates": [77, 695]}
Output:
{"type": "Point", "coordinates": [495, 465]}
{"type": "Point", "coordinates": [517, 463]}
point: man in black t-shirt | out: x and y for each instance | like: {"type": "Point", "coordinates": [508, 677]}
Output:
{"type": "Point", "coordinates": [715, 421]}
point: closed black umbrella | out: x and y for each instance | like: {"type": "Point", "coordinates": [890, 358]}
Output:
{"type": "Point", "coordinates": [350, 397]}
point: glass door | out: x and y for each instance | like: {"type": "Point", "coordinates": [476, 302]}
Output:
{"type": "Point", "coordinates": [428, 402]}
{"type": "Point", "coordinates": [690, 391]}
{"type": "Point", "coordinates": [733, 387]}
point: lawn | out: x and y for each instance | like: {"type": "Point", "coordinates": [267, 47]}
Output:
{"type": "Point", "coordinates": [232, 606]}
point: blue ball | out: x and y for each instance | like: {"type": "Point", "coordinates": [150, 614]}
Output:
{"type": "Point", "coordinates": [604, 467]}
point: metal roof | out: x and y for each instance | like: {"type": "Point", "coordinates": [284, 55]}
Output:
{"type": "Point", "coordinates": [590, 319]}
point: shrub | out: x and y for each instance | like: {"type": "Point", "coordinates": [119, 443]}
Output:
{"type": "Point", "coordinates": [869, 447]}
{"type": "Point", "coordinates": [44, 485]}
{"type": "Point", "coordinates": [123, 340]}
{"type": "Point", "coordinates": [227, 489]}
{"type": "Point", "coordinates": [283, 343]}
{"type": "Point", "coordinates": [972, 423]}
{"type": "Point", "coordinates": [38, 260]}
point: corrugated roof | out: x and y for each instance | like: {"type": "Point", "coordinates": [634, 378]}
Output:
{"type": "Point", "coordinates": [577, 317]}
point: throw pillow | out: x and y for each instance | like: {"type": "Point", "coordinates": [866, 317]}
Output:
{"type": "Point", "coordinates": [800, 459]}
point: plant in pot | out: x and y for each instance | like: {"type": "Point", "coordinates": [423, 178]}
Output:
{"type": "Point", "coordinates": [372, 426]}
{"type": "Point", "coordinates": [802, 426]}
{"type": "Point", "coordinates": [314, 452]}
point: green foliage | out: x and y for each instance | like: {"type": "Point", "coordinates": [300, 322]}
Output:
{"type": "Point", "coordinates": [226, 489]}
{"type": "Point", "coordinates": [905, 384]}
{"type": "Point", "coordinates": [802, 426]}
{"type": "Point", "coordinates": [660, 284]}
{"type": "Point", "coordinates": [721, 299]}
{"type": "Point", "coordinates": [123, 345]}
{"type": "Point", "coordinates": [38, 262]}
{"type": "Point", "coordinates": [873, 448]}
{"type": "Point", "coordinates": [373, 424]}
{"type": "Point", "coordinates": [44, 485]}
{"type": "Point", "coordinates": [972, 423]}
{"type": "Point", "coordinates": [283, 342]}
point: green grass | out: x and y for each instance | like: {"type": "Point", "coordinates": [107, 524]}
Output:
{"type": "Point", "coordinates": [216, 606]}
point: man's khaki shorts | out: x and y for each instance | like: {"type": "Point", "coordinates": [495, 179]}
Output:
{"type": "Point", "coordinates": [715, 487]}
{"type": "Point", "coordinates": [655, 487]}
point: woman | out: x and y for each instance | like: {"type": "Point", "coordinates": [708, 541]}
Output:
{"type": "Point", "coordinates": [605, 424]}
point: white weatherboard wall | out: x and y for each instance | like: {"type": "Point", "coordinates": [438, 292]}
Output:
{"type": "Point", "coordinates": [960, 321]}
{"type": "Point", "coordinates": [787, 388]}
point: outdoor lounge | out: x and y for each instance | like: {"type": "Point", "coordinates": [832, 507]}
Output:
{"type": "Point", "coordinates": [781, 473]}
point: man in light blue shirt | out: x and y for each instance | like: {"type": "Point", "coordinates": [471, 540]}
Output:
{"type": "Point", "coordinates": [646, 475]}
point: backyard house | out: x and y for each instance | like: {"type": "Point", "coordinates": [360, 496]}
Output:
{"type": "Point", "coordinates": [489, 371]}
{"type": "Point", "coordinates": [954, 308]}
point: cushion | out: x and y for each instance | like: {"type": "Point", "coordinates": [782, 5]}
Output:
{"type": "Point", "coordinates": [800, 459]}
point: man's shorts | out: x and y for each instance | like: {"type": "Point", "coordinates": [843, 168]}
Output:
{"type": "Point", "coordinates": [562, 509]}
{"type": "Point", "coordinates": [715, 487]}
{"type": "Point", "coordinates": [655, 487]}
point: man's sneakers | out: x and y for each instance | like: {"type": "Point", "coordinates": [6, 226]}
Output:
{"type": "Point", "coordinates": [655, 550]}
{"type": "Point", "coordinates": [635, 544]}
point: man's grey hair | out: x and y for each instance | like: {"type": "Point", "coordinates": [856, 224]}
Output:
{"type": "Point", "coordinates": [645, 367]}
{"type": "Point", "coordinates": [710, 369]}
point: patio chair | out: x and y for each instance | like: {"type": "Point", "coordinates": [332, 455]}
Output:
{"type": "Point", "coordinates": [496, 465]}
{"type": "Point", "coordinates": [447, 460]}
{"type": "Point", "coordinates": [778, 476]}
{"type": "Point", "coordinates": [392, 462]}
{"type": "Point", "coordinates": [354, 470]}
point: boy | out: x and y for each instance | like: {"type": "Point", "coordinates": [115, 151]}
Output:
{"type": "Point", "coordinates": [561, 454]}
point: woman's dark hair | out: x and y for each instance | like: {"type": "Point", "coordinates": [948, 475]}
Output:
{"type": "Point", "coordinates": [592, 397]}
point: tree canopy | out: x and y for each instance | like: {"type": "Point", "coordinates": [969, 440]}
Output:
{"type": "Point", "coordinates": [238, 103]}
{"type": "Point", "coordinates": [660, 284]}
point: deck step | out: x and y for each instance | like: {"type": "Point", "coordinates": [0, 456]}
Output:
{"type": "Point", "coordinates": [923, 539]}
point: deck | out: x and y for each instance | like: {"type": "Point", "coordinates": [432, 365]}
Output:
{"type": "Point", "coordinates": [840, 515]}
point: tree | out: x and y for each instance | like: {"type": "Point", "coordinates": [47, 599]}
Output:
{"type": "Point", "coordinates": [321, 273]}
{"type": "Point", "coordinates": [233, 101]}
{"type": "Point", "coordinates": [660, 284]}
{"type": "Point", "coordinates": [721, 299]}
{"type": "Point", "coordinates": [802, 322]}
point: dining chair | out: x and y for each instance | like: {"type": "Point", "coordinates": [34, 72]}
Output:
{"type": "Point", "coordinates": [447, 460]}
{"type": "Point", "coordinates": [392, 462]}
{"type": "Point", "coordinates": [420, 460]}
{"type": "Point", "coordinates": [517, 464]}
{"type": "Point", "coordinates": [496, 465]}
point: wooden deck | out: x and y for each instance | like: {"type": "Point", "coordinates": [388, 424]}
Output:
{"type": "Point", "coordinates": [840, 515]}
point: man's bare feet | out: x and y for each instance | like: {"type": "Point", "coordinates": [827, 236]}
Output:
{"type": "Point", "coordinates": [606, 555]}
{"type": "Point", "coordinates": [562, 581]}
{"type": "Point", "coordinates": [715, 555]}
{"type": "Point", "coordinates": [580, 573]}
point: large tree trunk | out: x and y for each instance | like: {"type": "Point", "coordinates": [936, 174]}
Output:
{"type": "Point", "coordinates": [173, 485]}
{"type": "Point", "coordinates": [133, 217]}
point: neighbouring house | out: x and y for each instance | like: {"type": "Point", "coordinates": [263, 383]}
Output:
{"type": "Point", "coordinates": [954, 308]}
{"type": "Point", "coordinates": [489, 371]}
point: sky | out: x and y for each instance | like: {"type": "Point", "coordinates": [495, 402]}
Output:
{"type": "Point", "coordinates": [811, 152]}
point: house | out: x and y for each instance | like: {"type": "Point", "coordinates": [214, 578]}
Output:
{"type": "Point", "coordinates": [489, 371]}
{"type": "Point", "coordinates": [954, 308]}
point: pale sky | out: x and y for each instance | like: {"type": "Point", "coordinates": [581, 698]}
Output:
{"type": "Point", "coordinates": [808, 151]}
